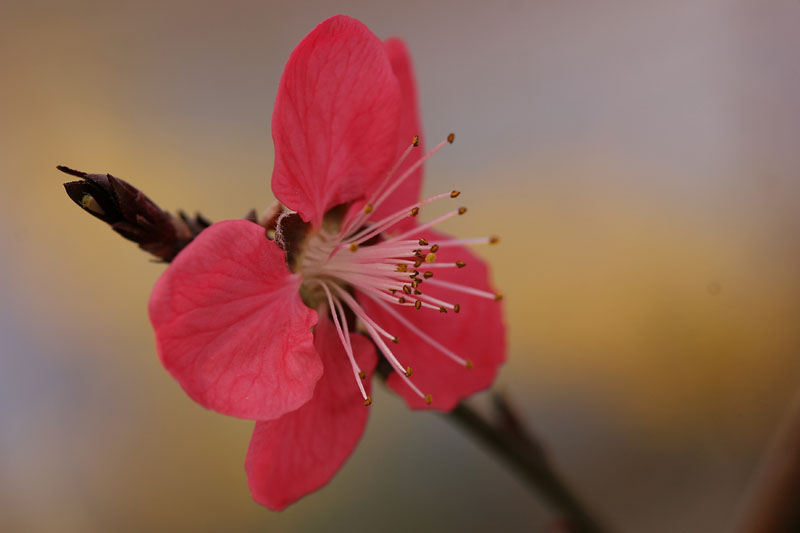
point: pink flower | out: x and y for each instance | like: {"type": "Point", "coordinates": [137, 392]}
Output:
{"type": "Point", "coordinates": [265, 329]}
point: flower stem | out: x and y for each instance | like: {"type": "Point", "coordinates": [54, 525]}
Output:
{"type": "Point", "coordinates": [512, 444]}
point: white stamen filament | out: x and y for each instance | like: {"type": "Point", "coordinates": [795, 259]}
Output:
{"type": "Point", "coordinates": [394, 271]}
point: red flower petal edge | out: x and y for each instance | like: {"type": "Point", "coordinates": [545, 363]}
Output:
{"type": "Point", "coordinates": [299, 452]}
{"type": "Point", "coordinates": [230, 325]}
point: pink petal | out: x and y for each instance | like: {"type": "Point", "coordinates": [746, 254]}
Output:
{"type": "Point", "coordinates": [231, 327]}
{"type": "Point", "coordinates": [301, 451]}
{"type": "Point", "coordinates": [335, 119]}
{"type": "Point", "coordinates": [476, 333]}
{"type": "Point", "coordinates": [409, 125]}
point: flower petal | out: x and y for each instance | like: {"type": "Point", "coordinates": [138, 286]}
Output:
{"type": "Point", "coordinates": [476, 333]}
{"type": "Point", "coordinates": [409, 125]}
{"type": "Point", "coordinates": [335, 119]}
{"type": "Point", "coordinates": [231, 327]}
{"type": "Point", "coordinates": [299, 452]}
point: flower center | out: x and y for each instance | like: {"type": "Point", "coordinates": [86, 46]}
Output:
{"type": "Point", "coordinates": [360, 259]}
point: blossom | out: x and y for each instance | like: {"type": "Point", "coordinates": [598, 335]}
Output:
{"type": "Point", "coordinates": [286, 331]}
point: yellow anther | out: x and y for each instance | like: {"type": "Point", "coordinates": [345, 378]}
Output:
{"type": "Point", "coordinates": [428, 399]}
{"type": "Point", "coordinates": [402, 267]}
{"type": "Point", "coordinates": [408, 371]}
{"type": "Point", "coordinates": [462, 210]}
{"type": "Point", "coordinates": [498, 296]}
{"type": "Point", "coordinates": [415, 211]}
{"type": "Point", "coordinates": [443, 309]}
{"type": "Point", "coordinates": [368, 401]}
{"type": "Point", "coordinates": [428, 275]}
{"type": "Point", "coordinates": [368, 208]}
{"type": "Point", "coordinates": [417, 292]}
{"type": "Point", "coordinates": [451, 138]}
{"type": "Point", "coordinates": [415, 140]}
{"type": "Point", "coordinates": [430, 258]}
{"type": "Point", "coordinates": [454, 194]}
{"type": "Point", "coordinates": [423, 242]}
{"type": "Point", "coordinates": [418, 263]}
{"type": "Point", "coordinates": [395, 340]}
{"type": "Point", "coordinates": [469, 364]}
{"type": "Point", "coordinates": [460, 264]}
{"type": "Point", "coordinates": [90, 204]}
{"type": "Point", "coordinates": [456, 308]}
{"type": "Point", "coordinates": [435, 248]}
{"type": "Point", "coordinates": [418, 304]}
{"type": "Point", "coordinates": [494, 239]}
{"type": "Point", "coordinates": [362, 374]}
{"type": "Point", "coordinates": [353, 246]}
{"type": "Point", "coordinates": [393, 291]}
{"type": "Point", "coordinates": [415, 283]}
{"type": "Point", "coordinates": [401, 300]}
{"type": "Point", "coordinates": [407, 289]}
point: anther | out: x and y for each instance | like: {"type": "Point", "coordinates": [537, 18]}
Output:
{"type": "Point", "coordinates": [494, 239]}
{"type": "Point", "coordinates": [460, 264]}
{"type": "Point", "coordinates": [393, 291]}
{"type": "Point", "coordinates": [362, 374]}
{"type": "Point", "coordinates": [415, 283]}
{"type": "Point", "coordinates": [408, 371]}
{"type": "Point", "coordinates": [415, 211]}
{"type": "Point", "coordinates": [368, 208]}
{"type": "Point", "coordinates": [469, 364]}
{"type": "Point", "coordinates": [454, 194]}
{"type": "Point", "coordinates": [402, 267]}
{"type": "Point", "coordinates": [414, 273]}
{"type": "Point", "coordinates": [456, 308]}
{"type": "Point", "coordinates": [395, 340]}
{"type": "Point", "coordinates": [418, 304]}
{"type": "Point", "coordinates": [442, 309]}
{"type": "Point", "coordinates": [89, 203]}
{"type": "Point", "coordinates": [428, 399]}
{"type": "Point", "coordinates": [353, 246]}
{"type": "Point", "coordinates": [423, 242]}
{"type": "Point", "coordinates": [415, 140]}
{"type": "Point", "coordinates": [428, 275]}
{"type": "Point", "coordinates": [417, 292]}
{"type": "Point", "coordinates": [407, 289]}
{"type": "Point", "coordinates": [451, 138]}
{"type": "Point", "coordinates": [462, 210]}
{"type": "Point", "coordinates": [418, 263]}
{"type": "Point", "coordinates": [435, 248]}
{"type": "Point", "coordinates": [430, 258]}
{"type": "Point", "coordinates": [401, 300]}
{"type": "Point", "coordinates": [498, 296]}
{"type": "Point", "coordinates": [368, 401]}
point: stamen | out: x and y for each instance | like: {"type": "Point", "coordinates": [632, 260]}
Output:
{"type": "Point", "coordinates": [463, 288]}
{"type": "Point", "coordinates": [346, 344]}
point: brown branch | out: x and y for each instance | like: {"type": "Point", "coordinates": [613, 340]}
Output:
{"type": "Point", "coordinates": [516, 446]}
{"type": "Point", "coordinates": [773, 502]}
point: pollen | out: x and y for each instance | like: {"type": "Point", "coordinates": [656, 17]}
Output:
{"type": "Point", "coordinates": [430, 258]}
{"type": "Point", "coordinates": [402, 268]}
{"type": "Point", "coordinates": [353, 246]}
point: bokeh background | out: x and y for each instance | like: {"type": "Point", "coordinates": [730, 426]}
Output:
{"type": "Point", "coordinates": [639, 158]}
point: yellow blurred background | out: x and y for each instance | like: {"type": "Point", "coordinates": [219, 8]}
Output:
{"type": "Point", "coordinates": [639, 159]}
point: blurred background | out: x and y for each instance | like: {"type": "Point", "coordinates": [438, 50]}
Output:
{"type": "Point", "coordinates": [639, 158]}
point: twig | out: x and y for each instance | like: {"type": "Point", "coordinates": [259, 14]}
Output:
{"type": "Point", "coordinates": [526, 457]}
{"type": "Point", "coordinates": [773, 502]}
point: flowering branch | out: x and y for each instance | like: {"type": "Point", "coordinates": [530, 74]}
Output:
{"type": "Point", "coordinates": [133, 215]}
